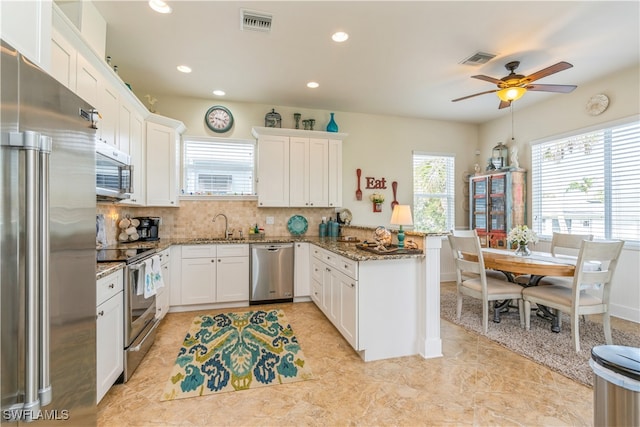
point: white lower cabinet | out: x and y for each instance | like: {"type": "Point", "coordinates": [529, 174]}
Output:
{"type": "Point", "coordinates": [232, 275]}
{"type": "Point", "coordinates": [214, 273]}
{"type": "Point", "coordinates": [109, 332]}
{"type": "Point", "coordinates": [359, 298]}
{"type": "Point", "coordinates": [335, 291]}
{"type": "Point", "coordinates": [164, 293]}
{"type": "Point", "coordinates": [301, 276]}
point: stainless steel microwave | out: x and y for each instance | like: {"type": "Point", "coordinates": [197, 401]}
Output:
{"type": "Point", "coordinates": [114, 173]}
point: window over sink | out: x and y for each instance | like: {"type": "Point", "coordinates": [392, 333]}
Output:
{"type": "Point", "coordinates": [218, 167]}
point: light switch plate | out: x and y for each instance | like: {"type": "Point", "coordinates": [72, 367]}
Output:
{"type": "Point", "coordinates": [269, 220]}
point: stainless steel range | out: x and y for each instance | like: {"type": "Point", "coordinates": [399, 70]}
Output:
{"type": "Point", "coordinates": [140, 322]}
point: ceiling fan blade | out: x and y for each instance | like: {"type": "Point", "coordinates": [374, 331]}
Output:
{"type": "Point", "coordinates": [475, 94]}
{"type": "Point", "coordinates": [560, 66]}
{"type": "Point", "coordinates": [487, 79]}
{"type": "Point", "coordinates": [551, 88]}
{"type": "Point", "coordinates": [504, 104]}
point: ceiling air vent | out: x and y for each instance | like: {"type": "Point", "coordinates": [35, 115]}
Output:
{"type": "Point", "coordinates": [255, 21]}
{"type": "Point", "coordinates": [478, 58]}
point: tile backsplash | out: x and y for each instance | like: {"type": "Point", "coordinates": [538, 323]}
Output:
{"type": "Point", "coordinates": [194, 218]}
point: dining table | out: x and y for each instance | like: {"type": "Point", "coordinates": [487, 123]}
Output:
{"type": "Point", "coordinates": [536, 266]}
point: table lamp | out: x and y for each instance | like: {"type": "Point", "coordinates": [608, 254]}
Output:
{"type": "Point", "coordinates": [401, 216]}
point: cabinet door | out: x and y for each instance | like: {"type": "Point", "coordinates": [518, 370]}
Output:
{"type": "Point", "coordinates": [273, 171]}
{"type": "Point", "coordinates": [26, 25]}
{"type": "Point", "coordinates": [348, 315]}
{"type": "Point", "coordinates": [108, 106]}
{"type": "Point", "coordinates": [198, 284]}
{"type": "Point", "coordinates": [125, 112]}
{"type": "Point", "coordinates": [299, 172]}
{"type": "Point", "coordinates": [63, 60]}
{"type": "Point", "coordinates": [318, 172]}
{"type": "Point", "coordinates": [302, 277]}
{"type": "Point", "coordinates": [137, 144]}
{"type": "Point", "coordinates": [232, 279]}
{"type": "Point", "coordinates": [335, 173]}
{"type": "Point", "coordinates": [316, 293]}
{"type": "Point", "coordinates": [164, 293]}
{"type": "Point", "coordinates": [87, 79]}
{"type": "Point", "coordinates": [161, 166]}
{"type": "Point", "coordinates": [325, 303]}
{"type": "Point", "coordinates": [109, 343]}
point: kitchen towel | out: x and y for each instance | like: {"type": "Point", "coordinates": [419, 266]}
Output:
{"type": "Point", "coordinates": [149, 281]}
{"type": "Point", "coordinates": [156, 272]}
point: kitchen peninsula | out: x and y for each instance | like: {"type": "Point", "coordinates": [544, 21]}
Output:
{"type": "Point", "coordinates": [384, 305]}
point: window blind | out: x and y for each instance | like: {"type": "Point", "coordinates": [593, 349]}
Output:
{"type": "Point", "coordinates": [589, 183]}
{"type": "Point", "coordinates": [218, 167]}
{"type": "Point", "coordinates": [433, 192]}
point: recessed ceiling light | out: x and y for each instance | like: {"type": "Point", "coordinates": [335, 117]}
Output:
{"type": "Point", "coordinates": [219, 92]}
{"type": "Point", "coordinates": [183, 69]}
{"type": "Point", "coordinates": [313, 85]}
{"type": "Point", "coordinates": [159, 6]}
{"type": "Point", "coordinates": [340, 37]}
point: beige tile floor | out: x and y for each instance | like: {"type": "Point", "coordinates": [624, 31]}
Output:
{"type": "Point", "coordinates": [476, 383]}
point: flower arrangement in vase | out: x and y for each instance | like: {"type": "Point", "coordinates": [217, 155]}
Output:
{"type": "Point", "coordinates": [522, 235]}
{"type": "Point", "coordinates": [377, 200]}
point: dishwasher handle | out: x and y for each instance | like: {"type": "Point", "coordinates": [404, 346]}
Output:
{"type": "Point", "coordinates": [273, 248]}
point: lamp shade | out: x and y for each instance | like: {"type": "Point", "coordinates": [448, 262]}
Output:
{"type": "Point", "coordinates": [401, 215]}
{"type": "Point", "coordinates": [511, 93]}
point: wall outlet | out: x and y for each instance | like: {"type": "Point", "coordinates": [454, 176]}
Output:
{"type": "Point", "coordinates": [269, 220]}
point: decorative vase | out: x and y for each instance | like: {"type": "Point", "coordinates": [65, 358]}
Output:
{"type": "Point", "coordinates": [332, 126]}
{"type": "Point", "coordinates": [377, 207]}
{"type": "Point", "coordinates": [523, 250]}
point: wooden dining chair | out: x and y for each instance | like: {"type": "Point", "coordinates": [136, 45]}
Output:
{"type": "Point", "coordinates": [473, 233]}
{"type": "Point", "coordinates": [575, 300]}
{"type": "Point", "coordinates": [472, 279]}
{"type": "Point", "coordinates": [562, 244]}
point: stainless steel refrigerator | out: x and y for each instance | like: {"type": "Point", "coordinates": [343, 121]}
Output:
{"type": "Point", "coordinates": [47, 249]}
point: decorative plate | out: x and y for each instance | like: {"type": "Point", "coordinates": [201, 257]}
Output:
{"type": "Point", "coordinates": [346, 216]}
{"type": "Point", "coordinates": [597, 104]}
{"type": "Point", "coordinates": [297, 225]}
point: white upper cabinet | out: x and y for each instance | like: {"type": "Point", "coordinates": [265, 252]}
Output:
{"type": "Point", "coordinates": [63, 60]}
{"type": "Point", "coordinates": [26, 25]}
{"type": "Point", "coordinates": [299, 168]}
{"type": "Point", "coordinates": [109, 108]}
{"type": "Point", "coordinates": [273, 171]}
{"type": "Point", "coordinates": [161, 161]}
{"type": "Point", "coordinates": [87, 81]}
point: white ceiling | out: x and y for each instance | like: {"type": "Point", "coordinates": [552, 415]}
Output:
{"type": "Point", "coordinates": [402, 58]}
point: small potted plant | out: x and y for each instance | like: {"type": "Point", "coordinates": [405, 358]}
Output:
{"type": "Point", "coordinates": [521, 235]}
{"type": "Point", "coordinates": [377, 200]}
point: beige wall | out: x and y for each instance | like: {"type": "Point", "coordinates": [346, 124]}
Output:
{"type": "Point", "coordinates": [379, 145]}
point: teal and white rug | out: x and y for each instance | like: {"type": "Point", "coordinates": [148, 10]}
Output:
{"type": "Point", "coordinates": [236, 351]}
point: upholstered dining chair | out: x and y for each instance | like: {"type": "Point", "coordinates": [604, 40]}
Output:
{"type": "Point", "coordinates": [561, 244]}
{"type": "Point", "coordinates": [472, 279]}
{"type": "Point", "coordinates": [575, 300]}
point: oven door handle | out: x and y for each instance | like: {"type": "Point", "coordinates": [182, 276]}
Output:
{"type": "Point", "coordinates": [149, 333]}
{"type": "Point", "coordinates": [136, 266]}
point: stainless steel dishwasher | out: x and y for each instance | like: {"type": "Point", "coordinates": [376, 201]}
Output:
{"type": "Point", "coordinates": [271, 273]}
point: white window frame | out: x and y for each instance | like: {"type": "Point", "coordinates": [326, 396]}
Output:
{"type": "Point", "coordinates": [185, 194]}
{"type": "Point", "coordinates": [449, 195]}
{"type": "Point", "coordinates": [605, 182]}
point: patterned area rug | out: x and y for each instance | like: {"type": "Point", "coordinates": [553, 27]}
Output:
{"type": "Point", "coordinates": [236, 351]}
{"type": "Point", "coordinates": [554, 350]}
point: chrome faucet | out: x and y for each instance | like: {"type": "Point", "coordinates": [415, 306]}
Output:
{"type": "Point", "coordinates": [227, 233]}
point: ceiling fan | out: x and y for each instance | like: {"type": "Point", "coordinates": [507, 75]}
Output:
{"type": "Point", "coordinates": [514, 85]}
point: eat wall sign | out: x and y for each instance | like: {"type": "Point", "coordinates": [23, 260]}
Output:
{"type": "Point", "coordinates": [373, 183]}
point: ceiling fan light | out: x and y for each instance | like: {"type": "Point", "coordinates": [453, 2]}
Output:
{"type": "Point", "coordinates": [511, 93]}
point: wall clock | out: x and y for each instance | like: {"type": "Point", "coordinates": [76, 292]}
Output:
{"type": "Point", "coordinates": [219, 119]}
{"type": "Point", "coordinates": [597, 104]}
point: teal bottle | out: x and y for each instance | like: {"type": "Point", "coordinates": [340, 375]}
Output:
{"type": "Point", "coordinates": [332, 126]}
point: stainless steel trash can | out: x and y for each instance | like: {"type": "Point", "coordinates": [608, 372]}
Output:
{"type": "Point", "coordinates": [616, 390]}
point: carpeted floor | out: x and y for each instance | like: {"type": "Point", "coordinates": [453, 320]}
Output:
{"type": "Point", "coordinates": [236, 351]}
{"type": "Point", "coordinates": [554, 350]}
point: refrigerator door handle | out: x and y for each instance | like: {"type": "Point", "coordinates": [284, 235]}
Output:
{"type": "Point", "coordinates": [44, 391]}
{"type": "Point", "coordinates": [31, 147]}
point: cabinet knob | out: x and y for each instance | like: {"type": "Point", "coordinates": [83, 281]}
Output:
{"type": "Point", "coordinates": [213, 260]}
{"type": "Point", "coordinates": [112, 285]}
{"type": "Point", "coordinates": [101, 313]}
{"type": "Point", "coordinates": [353, 285]}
